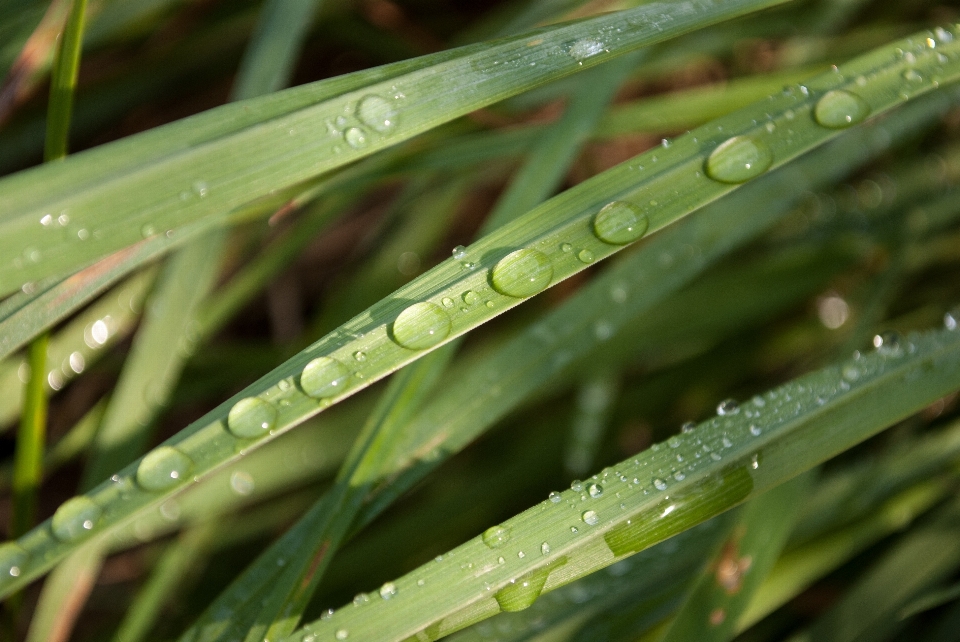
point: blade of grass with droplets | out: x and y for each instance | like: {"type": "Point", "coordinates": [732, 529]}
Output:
{"type": "Point", "coordinates": [307, 548]}
{"type": "Point", "coordinates": [80, 343]}
{"type": "Point", "coordinates": [615, 299]}
{"type": "Point", "coordinates": [772, 438]}
{"type": "Point", "coordinates": [394, 332]}
{"type": "Point", "coordinates": [181, 181]}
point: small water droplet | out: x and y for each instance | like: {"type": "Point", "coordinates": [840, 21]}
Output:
{"type": "Point", "coordinates": [459, 252]}
{"type": "Point", "coordinates": [887, 343]}
{"type": "Point", "coordinates": [496, 536]}
{"type": "Point", "coordinates": [951, 320]}
{"type": "Point", "coordinates": [554, 497]}
{"type": "Point", "coordinates": [839, 108]}
{"type": "Point", "coordinates": [147, 230]}
{"type": "Point", "coordinates": [359, 355]}
{"type": "Point", "coordinates": [251, 417]}
{"type": "Point", "coordinates": [470, 297]}
{"type": "Point", "coordinates": [755, 430]}
{"type": "Point", "coordinates": [75, 519]}
{"type": "Point", "coordinates": [421, 326]}
{"type": "Point", "coordinates": [544, 549]}
{"type": "Point", "coordinates": [522, 273]}
{"type": "Point", "coordinates": [355, 137]}
{"type": "Point", "coordinates": [595, 490]}
{"type": "Point", "coordinates": [912, 75]}
{"type": "Point", "coordinates": [574, 530]}
{"type": "Point", "coordinates": [755, 462]}
{"type": "Point", "coordinates": [342, 634]}
{"type": "Point", "coordinates": [13, 560]}
{"type": "Point", "coordinates": [324, 377]}
{"type": "Point", "coordinates": [388, 590]}
{"type": "Point", "coordinates": [163, 468]}
{"type": "Point", "coordinates": [679, 475]}
{"type": "Point", "coordinates": [590, 518]}
{"type": "Point", "coordinates": [739, 159]}
{"type": "Point", "coordinates": [566, 247]}
{"type": "Point", "coordinates": [728, 407]}
{"type": "Point", "coordinates": [620, 222]}
{"type": "Point", "coordinates": [585, 256]}
{"type": "Point", "coordinates": [689, 426]}
{"type": "Point", "coordinates": [377, 112]}
{"type": "Point", "coordinates": [576, 485]}
{"type": "Point", "coordinates": [659, 484]}
{"type": "Point", "coordinates": [447, 302]}
{"type": "Point", "coordinates": [584, 48]}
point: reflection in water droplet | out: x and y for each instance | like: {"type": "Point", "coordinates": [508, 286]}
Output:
{"type": "Point", "coordinates": [324, 377]}
{"type": "Point", "coordinates": [13, 560]}
{"type": "Point", "coordinates": [620, 223]}
{"type": "Point", "coordinates": [421, 326]}
{"type": "Point", "coordinates": [838, 109]}
{"type": "Point", "coordinates": [251, 417]}
{"type": "Point", "coordinates": [496, 536]}
{"type": "Point", "coordinates": [163, 468]}
{"type": "Point", "coordinates": [75, 519]}
{"type": "Point", "coordinates": [355, 137]}
{"type": "Point", "coordinates": [595, 490]}
{"type": "Point", "coordinates": [590, 517]}
{"type": "Point", "coordinates": [376, 112]}
{"type": "Point", "coordinates": [522, 273]}
{"type": "Point", "coordinates": [739, 159]}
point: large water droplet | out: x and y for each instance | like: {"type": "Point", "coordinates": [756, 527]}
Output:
{"type": "Point", "coordinates": [388, 590]}
{"type": "Point", "coordinates": [738, 160]}
{"type": "Point", "coordinates": [13, 559]}
{"type": "Point", "coordinates": [595, 490]}
{"type": "Point", "coordinates": [75, 519]}
{"type": "Point", "coordinates": [496, 536]}
{"type": "Point", "coordinates": [554, 497]}
{"type": "Point", "coordinates": [584, 48]}
{"type": "Point", "coordinates": [376, 112]}
{"type": "Point", "coordinates": [522, 592]}
{"type": "Point", "coordinates": [590, 517]}
{"type": "Point", "coordinates": [421, 326]}
{"type": "Point", "coordinates": [324, 377]}
{"type": "Point", "coordinates": [251, 417]}
{"type": "Point", "coordinates": [522, 273]}
{"type": "Point", "coordinates": [163, 468]}
{"type": "Point", "coordinates": [839, 108]}
{"type": "Point", "coordinates": [470, 297]}
{"type": "Point", "coordinates": [620, 223]}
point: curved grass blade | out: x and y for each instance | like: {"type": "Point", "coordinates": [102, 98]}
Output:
{"type": "Point", "coordinates": [772, 438]}
{"type": "Point", "coordinates": [112, 197]}
{"type": "Point", "coordinates": [678, 183]}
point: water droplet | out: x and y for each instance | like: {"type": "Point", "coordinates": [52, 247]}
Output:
{"type": "Point", "coordinates": [359, 355]}
{"type": "Point", "coordinates": [566, 247]}
{"type": "Point", "coordinates": [470, 297]}
{"type": "Point", "coordinates": [659, 484]}
{"type": "Point", "coordinates": [679, 475]}
{"type": "Point", "coordinates": [324, 377]}
{"type": "Point", "coordinates": [75, 519]}
{"type": "Point", "coordinates": [447, 302]}
{"type": "Point", "coordinates": [590, 517]}
{"type": "Point", "coordinates": [584, 48]}
{"type": "Point", "coordinates": [595, 490]}
{"type": "Point", "coordinates": [523, 591]}
{"type": "Point", "coordinates": [496, 536]}
{"type": "Point", "coordinates": [755, 430]}
{"type": "Point", "coordinates": [13, 559]}
{"type": "Point", "coordinates": [376, 112]}
{"type": "Point", "coordinates": [576, 485]}
{"type": "Point", "coordinates": [689, 426]}
{"type": "Point", "coordinates": [521, 554]}
{"type": "Point", "coordinates": [355, 137]}
{"type": "Point", "coordinates": [887, 343]}
{"type": "Point", "coordinates": [912, 75]}
{"type": "Point", "coordinates": [147, 230]}
{"type": "Point", "coordinates": [838, 109]}
{"type": "Point", "coordinates": [574, 530]}
{"type": "Point", "coordinates": [544, 549]}
{"type": "Point", "coordinates": [554, 497]}
{"type": "Point", "coordinates": [522, 273]}
{"type": "Point", "coordinates": [242, 482]}
{"type": "Point", "coordinates": [421, 326]}
{"type": "Point", "coordinates": [251, 417]}
{"type": "Point", "coordinates": [739, 159]}
{"type": "Point", "coordinates": [585, 256]}
{"type": "Point", "coordinates": [163, 468]}
{"type": "Point", "coordinates": [951, 320]}
{"type": "Point", "coordinates": [388, 590]}
{"type": "Point", "coordinates": [459, 252]}
{"type": "Point", "coordinates": [342, 634]}
{"type": "Point", "coordinates": [755, 462]}
{"type": "Point", "coordinates": [728, 407]}
{"type": "Point", "coordinates": [619, 223]}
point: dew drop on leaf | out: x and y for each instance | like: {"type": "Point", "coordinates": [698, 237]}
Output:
{"type": "Point", "coordinates": [251, 417]}
{"type": "Point", "coordinates": [739, 159]}
{"type": "Point", "coordinates": [619, 223]}
{"type": "Point", "coordinates": [75, 519]}
{"type": "Point", "coordinates": [496, 536]}
{"type": "Point", "coordinates": [595, 490]}
{"type": "Point", "coordinates": [325, 377]}
{"type": "Point", "coordinates": [163, 468]}
{"type": "Point", "coordinates": [522, 273]}
{"type": "Point", "coordinates": [13, 559]}
{"type": "Point", "coordinates": [377, 113]}
{"type": "Point", "coordinates": [421, 326]}
{"type": "Point", "coordinates": [839, 108]}
{"type": "Point", "coordinates": [590, 517]}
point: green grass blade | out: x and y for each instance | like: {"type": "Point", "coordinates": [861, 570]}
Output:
{"type": "Point", "coordinates": [178, 181]}
{"type": "Point", "coordinates": [31, 437]}
{"type": "Point", "coordinates": [63, 83]}
{"type": "Point", "coordinates": [64, 593]}
{"type": "Point", "coordinates": [713, 608]}
{"type": "Point", "coordinates": [564, 219]}
{"type": "Point", "coordinates": [771, 438]}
